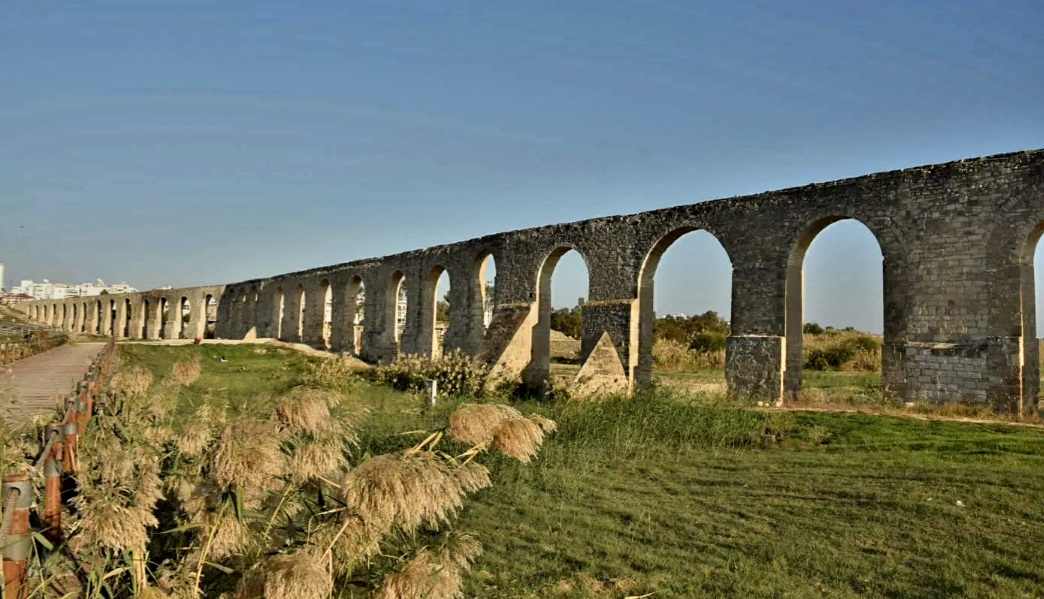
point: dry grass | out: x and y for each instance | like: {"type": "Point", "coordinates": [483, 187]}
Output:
{"type": "Point", "coordinates": [186, 372]}
{"type": "Point", "coordinates": [133, 381]}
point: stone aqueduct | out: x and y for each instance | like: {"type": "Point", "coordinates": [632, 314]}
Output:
{"type": "Point", "coordinates": [957, 241]}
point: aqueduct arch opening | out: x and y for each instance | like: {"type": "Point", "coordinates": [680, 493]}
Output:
{"type": "Point", "coordinates": [354, 318]}
{"type": "Point", "coordinates": [278, 312]}
{"type": "Point", "coordinates": [568, 352]}
{"type": "Point", "coordinates": [397, 307]}
{"type": "Point", "coordinates": [326, 294]}
{"type": "Point", "coordinates": [857, 233]}
{"type": "Point", "coordinates": [1031, 301]}
{"type": "Point", "coordinates": [698, 269]}
{"type": "Point", "coordinates": [435, 311]}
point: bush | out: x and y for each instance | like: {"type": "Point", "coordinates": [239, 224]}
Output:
{"type": "Point", "coordinates": [708, 342]}
{"type": "Point", "coordinates": [812, 328]}
{"type": "Point", "coordinates": [842, 350]}
{"type": "Point", "coordinates": [673, 355]}
{"type": "Point", "coordinates": [456, 373]}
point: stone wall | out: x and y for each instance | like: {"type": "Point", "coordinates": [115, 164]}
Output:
{"type": "Point", "coordinates": [957, 242]}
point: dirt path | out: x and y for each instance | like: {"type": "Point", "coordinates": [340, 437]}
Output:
{"type": "Point", "coordinates": [32, 386]}
{"type": "Point", "coordinates": [301, 347]}
{"type": "Point", "coordinates": [870, 411]}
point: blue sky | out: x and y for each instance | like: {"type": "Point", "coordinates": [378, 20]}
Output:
{"type": "Point", "coordinates": [192, 142]}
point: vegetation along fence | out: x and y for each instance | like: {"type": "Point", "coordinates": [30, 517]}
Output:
{"type": "Point", "coordinates": [21, 341]}
{"type": "Point", "coordinates": [57, 458]}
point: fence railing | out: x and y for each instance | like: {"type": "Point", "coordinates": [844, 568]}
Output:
{"type": "Point", "coordinates": [57, 457]}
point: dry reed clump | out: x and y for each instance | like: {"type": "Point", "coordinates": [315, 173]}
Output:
{"type": "Point", "coordinates": [351, 541]}
{"type": "Point", "coordinates": [500, 427]}
{"type": "Point", "coordinates": [134, 381]}
{"type": "Point", "coordinates": [305, 410]}
{"type": "Point", "coordinates": [320, 437]}
{"type": "Point", "coordinates": [248, 458]}
{"type": "Point", "coordinates": [406, 491]}
{"type": "Point", "coordinates": [475, 424]}
{"type": "Point", "coordinates": [433, 575]}
{"type": "Point", "coordinates": [186, 372]}
{"type": "Point", "coordinates": [519, 438]}
{"type": "Point", "coordinates": [199, 432]}
{"type": "Point", "coordinates": [300, 575]}
{"type": "Point", "coordinates": [223, 533]}
{"type": "Point", "coordinates": [117, 496]}
{"type": "Point", "coordinates": [312, 459]}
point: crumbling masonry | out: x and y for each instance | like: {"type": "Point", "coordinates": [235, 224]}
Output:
{"type": "Point", "coordinates": [957, 241]}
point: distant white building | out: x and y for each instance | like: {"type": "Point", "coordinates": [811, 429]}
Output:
{"type": "Point", "coordinates": [55, 291]}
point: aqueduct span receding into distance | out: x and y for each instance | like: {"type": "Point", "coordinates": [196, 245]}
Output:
{"type": "Point", "coordinates": [957, 241]}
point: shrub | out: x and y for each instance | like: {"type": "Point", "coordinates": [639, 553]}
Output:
{"type": "Point", "coordinates": [708, 342]}
{"type": "Point", "coordinates": [673, 355]}
{"type": "Point", "coordinates": [812, 328]}
{"type": "Point", "coordinates": [842, 350]}
{"type": "Point", "coordinates": [456, 373]}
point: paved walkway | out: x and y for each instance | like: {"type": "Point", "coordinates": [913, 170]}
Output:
{"type": "Point", "coordinates": [29, 387]}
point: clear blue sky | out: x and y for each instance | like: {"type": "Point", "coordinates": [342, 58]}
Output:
{"type": "Point", "coordinates": [201, 141]}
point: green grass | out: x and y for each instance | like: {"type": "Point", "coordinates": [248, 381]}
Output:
{"type": "Point", "coordinates": [687, 499]}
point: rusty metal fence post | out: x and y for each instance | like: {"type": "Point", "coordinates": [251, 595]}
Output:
{"type": "Point", "coordinates": [18, 498]}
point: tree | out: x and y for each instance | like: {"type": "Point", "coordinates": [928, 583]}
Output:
{"type": "Point", "coordinates": [567, 321]}
{"type": "Point", "coordinates": [442, 311]}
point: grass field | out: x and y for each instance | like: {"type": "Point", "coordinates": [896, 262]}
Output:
{"type": "Point", "coordinates": [679, 497]}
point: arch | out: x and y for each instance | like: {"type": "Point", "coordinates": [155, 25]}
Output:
{"type": "Point", "coordinates": [538, 372]}
{"type": "Point", "coordinates": [396, 305]}
{"type": "Point", "coordinates": [641, 362]}
{"type": "Point", "coordinates": [435, 311]}
{"type": "Point", "coordinates": [278, 310]}
{"type": "Point", "coordinates": [1029, 402]}
{"type": "Point", "coordinates": [356, 313]}
{"type": "Point", "coordinates": [98, 313]}
{"type": "Point", "coordinates": [184, 317]}
{"type": "Point", "coordinates": [128, 319]}
{"type": "Point", "coordinates": [166, 327]}
{"type": "Point", "coordinates": [146, 316]}
{"type": "Point", "coordinates": [795, 300]}
{"type": "Point", "coordinates": [299, 334]}
{"type": "Point", "coordinates": [113, 319]}
{"type": "Point", "coordinates": [210, 313]}
{"type": "Point", "coordinates": [481, 300]}
{"type": "Point", "coordinates": [327, 296]}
